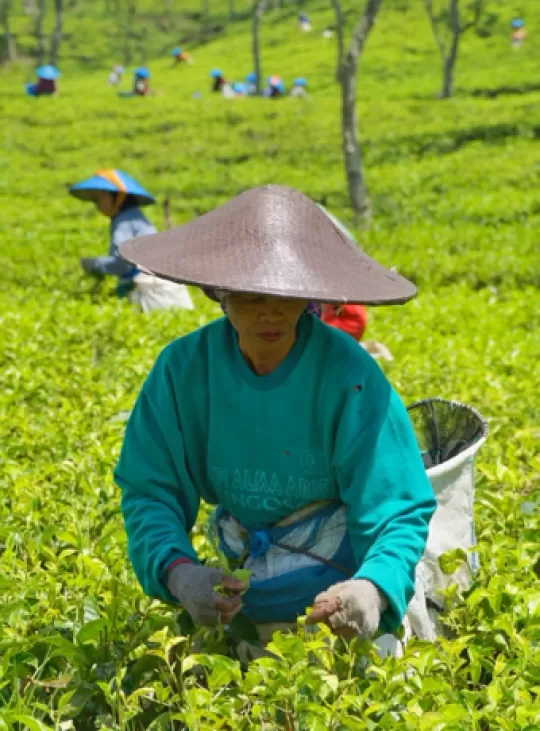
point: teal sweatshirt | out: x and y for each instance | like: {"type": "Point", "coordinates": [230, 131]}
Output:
{"type": "Point", "coordinates": [325, 424]}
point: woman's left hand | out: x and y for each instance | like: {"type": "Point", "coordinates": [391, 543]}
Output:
{"type": "Point", "coordinates": [351, 609]}
{"type": "Point", "coordinates": [87, 265]}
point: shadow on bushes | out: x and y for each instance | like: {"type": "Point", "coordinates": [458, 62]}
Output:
{"type": "Point", "coordinates": [476, 282]}
{"type": "Point", "coordinates": [446, 142]}
{"type": "Point", "coordinates": [505, 90]}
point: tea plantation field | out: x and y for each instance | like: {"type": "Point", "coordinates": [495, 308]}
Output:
{"type": "Point", "coordinates": [456, 200]}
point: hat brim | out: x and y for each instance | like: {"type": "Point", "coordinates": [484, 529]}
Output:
{"type": "Point", "coordinates": [270, 240]}
{"type": "Point", "coordinates": [89, 189]}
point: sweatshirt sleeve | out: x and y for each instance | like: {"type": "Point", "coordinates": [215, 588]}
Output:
{"type": "Point", "coordinates": [384, 485]}
{"type": "Point", "coordinates": [121, 231]}
{"type": "Point", "coordinates": [110, 265]}
{"type": "Point", "coordinates": [159, 500]}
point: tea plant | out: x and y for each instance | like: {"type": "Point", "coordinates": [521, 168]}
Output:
{"type": "Point", "coordinates": [455, 191]}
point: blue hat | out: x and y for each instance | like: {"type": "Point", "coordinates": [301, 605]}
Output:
{"type": "Point", "coordinates": [251, 78]}
{"type": "Point", "coordinates": [239, 87]}
{"type": "Point", "coordinates": [176, 51]}
{"type": "Point", "coordinates": [300, 81]}
{"type": "Point", "coordinates": [216, 73]}
{"type": "Point", "coordinates": [48, 72]}
{"type": "Point", "coordinates": [518, 23]}
{"type": "Point", "coordinates": [112, 181]}
{"type": "Point", "coordinates": [142, 72]}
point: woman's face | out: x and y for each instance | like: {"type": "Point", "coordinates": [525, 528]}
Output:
{"type": "Point", "coordinates": [262, 320]}
{"type": "Point", "coordinates": [106, 203]}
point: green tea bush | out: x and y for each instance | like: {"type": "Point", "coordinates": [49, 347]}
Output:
{"type": "Point", "coordinates": [456, 208]}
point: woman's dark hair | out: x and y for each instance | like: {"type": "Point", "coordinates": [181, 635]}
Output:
{"type": "Point", "coordinates": [130, 202]}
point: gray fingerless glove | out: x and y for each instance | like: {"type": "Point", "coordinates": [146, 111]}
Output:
{"type": "Point", "coordinates": [193, 586]}
{"type": "Point", "coordinates": [357, 605]}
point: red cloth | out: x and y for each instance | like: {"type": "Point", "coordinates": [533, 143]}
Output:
{"type": "Point", "coordinates": [45, 86]}
{"type": "Point", "coordinates": [352, 319]}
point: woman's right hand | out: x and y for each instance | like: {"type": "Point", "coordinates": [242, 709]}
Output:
{"type": "Point", "coordinates": [193, 586]}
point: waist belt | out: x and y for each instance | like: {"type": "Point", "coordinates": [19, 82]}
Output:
{"type": "Point", "coordinates": [290, 562]}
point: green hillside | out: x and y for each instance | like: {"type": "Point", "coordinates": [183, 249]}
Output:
{"type": "Point", "coordinates": [456, 207]}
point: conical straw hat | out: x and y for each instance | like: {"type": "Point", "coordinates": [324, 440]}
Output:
{"type": "Point", "coordinates": [270, 240]}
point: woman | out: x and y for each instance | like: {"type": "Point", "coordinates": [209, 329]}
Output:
{"type": "Point", "coordinates": [218, 80]}
{"type": "Point", "coordinates": [283, 422]}
{"type": "Point", "coordinates": [46, 84]}
{"type": "Point", "coordinates": [299, 88]}
{"type": "Point", "coordinates": [239, 89]}
{"type": "Point", "coordinates": [352, 319]}
{"type": "Point", "coordinates": [141, 85]}
{"type": "Point", "coordinates": [119, 197]}
{"type": "Point", "coordinates": [251, 81]}
{"type": "Point", "coordinates": [518, 32]}
{"type": "Point", "coordinates": [115, 77]}
{"type": "Point", "coordinates": [181, 56]}
{"type": "Point", "coordinates": [275, 88]}
{"type": "Point", "coordinates": [304, 23]}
